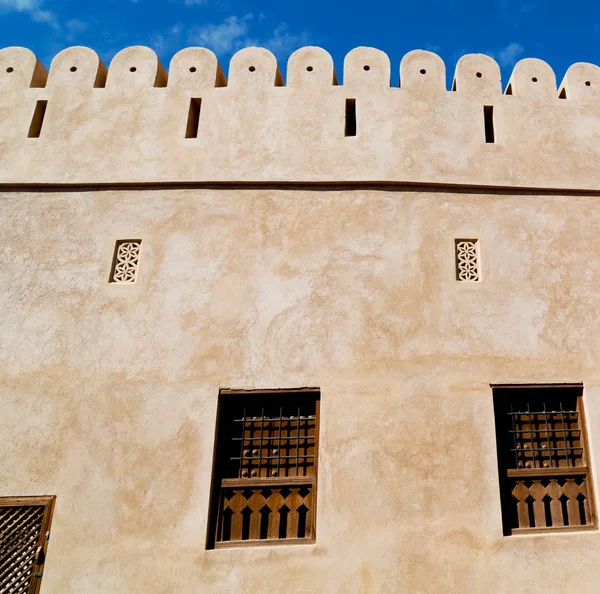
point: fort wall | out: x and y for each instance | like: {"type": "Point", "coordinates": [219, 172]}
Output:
{"type": "Point", "coordinates": [280, 251]}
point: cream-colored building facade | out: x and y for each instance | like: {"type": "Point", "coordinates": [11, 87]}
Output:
{"type": "Point", "coordinates": [293, 235]}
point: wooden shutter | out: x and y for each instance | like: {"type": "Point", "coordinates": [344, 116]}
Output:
{"type": "Point", "coordinates": [24, 533]}
{"type": "Point", "coordinates": [265, 478]}
{"type": "Point", "coordinates": [543, 459]}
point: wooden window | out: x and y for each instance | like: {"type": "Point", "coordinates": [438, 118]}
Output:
{"type": "Point", "coordinates": [265, 472]}
{"type": "Point", "coordinates": [24, 534]}
{"type": "Point", "coordinates": [545, 478]}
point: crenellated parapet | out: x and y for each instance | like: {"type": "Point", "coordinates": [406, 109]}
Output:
{"type": "Point", "coordinates": [134, 122]}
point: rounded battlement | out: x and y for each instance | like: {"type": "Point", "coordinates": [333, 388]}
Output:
{"type": "Point", "coordinates": [310, 66]}
{"type": "Point", "coordinates": [254, 68]}
{"type": "Point", "coordinates": [581, 83]}
{"type": "Point", "coordinates": [367, 67]}
{"type": "Point", "coordinates": [135, 68]}
{"type": "Point", "coordinates": [423, 72]}
{"type": "Point", "coordinates": [532, 79]}
{"type": "Point", "coordinates": [20, 69]}
{"type": "Point", "coordinates": [196, 68]}
{"type": "Point", "coordinates": [478, 75]}
{"type": "Point", "coordinates": [77, 67]}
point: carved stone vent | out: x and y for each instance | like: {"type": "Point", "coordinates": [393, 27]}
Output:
{"type": "Point", "coordinates": [542, 456]}
{"type": "Point", "coordinates": [265, 468]}
{"type": "Point", "coordinates": [24, 525]}
{"type": "Point", "coordinates": [467, 260]}
{"type": "Point", "coordinates": [126, 261]}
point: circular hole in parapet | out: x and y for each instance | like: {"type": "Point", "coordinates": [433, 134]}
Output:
{"type": "Point", "coordinates": [588, 83]}
{"type": "Point", "coordinates": [478, 75]}
{"type": "Point", "coordinates": [252, 69]}
{"type": "Point", "coordinates": [534, 79]}
{"type": "Point", "coordinates": [366, 67]}
{"type": "Point", "coordinates": [132, 69]}
{"type": "Point", "coordinates": [10, 69]}
{"type": "Point", "coordinates": [193, 69]}
{"type": "Point", "coordinates": [73, 69]}
{"type": "Point", "coordinates": [423, 71]}
{"type": "Point", "coordinates": [309, 68]}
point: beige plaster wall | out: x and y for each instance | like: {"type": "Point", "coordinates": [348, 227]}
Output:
{"type": "Point", "coordinates": [108, 393]}
{"type": "Point", "coordinates": [118, 126]}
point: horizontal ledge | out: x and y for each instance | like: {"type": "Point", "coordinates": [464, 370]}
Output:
{"type": "Point", "coordinates": [551, 530]}
{"type": "Point", "coordinates": [231, 544]}
{"type": "Point", "coordinates": [266, 482]}
{"type": "Point", "coordinates": [387, 185]}
{"type": "Point", "coordinates": [541, 472]}
{"type": "Point", "coordinates": [536, 386]}
{"type": "Point", "coordinates": [268, 391]}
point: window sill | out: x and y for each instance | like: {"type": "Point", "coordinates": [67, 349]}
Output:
{"type": "Point", "coordinates": [273, 542]}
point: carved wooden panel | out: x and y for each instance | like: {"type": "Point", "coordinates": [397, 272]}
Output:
{"type": "Point", "coordinates": [552, 502]}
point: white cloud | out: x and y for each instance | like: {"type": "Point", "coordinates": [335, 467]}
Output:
{"type": "Point", "coordinates": [33, 8]}
{"type": "Point", "coordinates": [234, 33]}
{"type": "Point", "coordinates": [509, 55]}
{"type": "Point", "coordinates": [284, 42]}
{"type": "Point", "coordinates": [226, 37]}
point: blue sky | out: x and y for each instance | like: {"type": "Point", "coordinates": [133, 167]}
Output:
{"type": "Point", "coordinates": [557, 31]}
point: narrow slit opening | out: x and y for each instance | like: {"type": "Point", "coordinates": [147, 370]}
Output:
{"type": "Point", "coordinates": [193, 120]}
{"type": "Point", "coordinates": [509, 90]}
{"type": "Point", "coordinates": [488, 118]}
{"type": "Point", "coordinates": [350, 117]}
{"type": "Point", "coordinates": [563, 93]}
{"type": "Point", "coordinates": [37, 121]}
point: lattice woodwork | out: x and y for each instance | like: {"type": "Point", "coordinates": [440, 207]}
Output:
{"type": "Point", "coordinates": [126, 261]}
{"type": "Point", "coordinates": [24, 524]}
{"type": "Point", "coordinates": [467, 260]}
{"type": "Point", "coordinates": [543, 460]}
{"type": "Point", "coordinates": [265, 467]}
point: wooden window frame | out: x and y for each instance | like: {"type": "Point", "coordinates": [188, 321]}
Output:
{"type": "Point", "coordinates": [575, 472]}
{"type": "Point", "coordinates": [48, 502]}
{"type": "Point", "coordinates": [218, 483]}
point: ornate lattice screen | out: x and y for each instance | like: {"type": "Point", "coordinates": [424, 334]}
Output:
{"type": "Point", "coordinates": [24, 533]}
{"type": "Point", "coordinates": [126, 261]}
{"type": "Point", "coordinates": [265, 468]}
{"type": "Point", "coordinates": [542, 454]}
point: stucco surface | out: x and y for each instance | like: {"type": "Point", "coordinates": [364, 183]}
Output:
{"type": "Point", "coordinates": [109, 392]}
{"type": "Point", "coordinates": [127, 123]}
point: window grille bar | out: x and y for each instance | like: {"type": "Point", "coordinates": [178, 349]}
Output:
{"type": "Point", "coordinates": [271, 419]}
{"type": "Point", "coordinates": [548, 435]}
{"type": "Point", "coordinates": [562, 418]}
{"type": "Point", "coordinates": [298, 441]}
{"type": "Point", "coordinates": [572, 448]}
{"type": "Point", "coordinates": [279, 441]}
{"type": "Point", "coordinates": [275, 457]}
{"type": "Point", "coordinates": [544, 431]}
{"type": "Point", "coordinates": [242, 445]}
{"type": "Point", "coordinates": [550, 412]}
{"type": "Point", "coordinates": [512, 418]}
{"type": "Point", "coordinates": [260, 452]}
{"type": "Point", "coordinates": [530, 436]}
{"type": "Point", "coordinates": [279, 438]}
